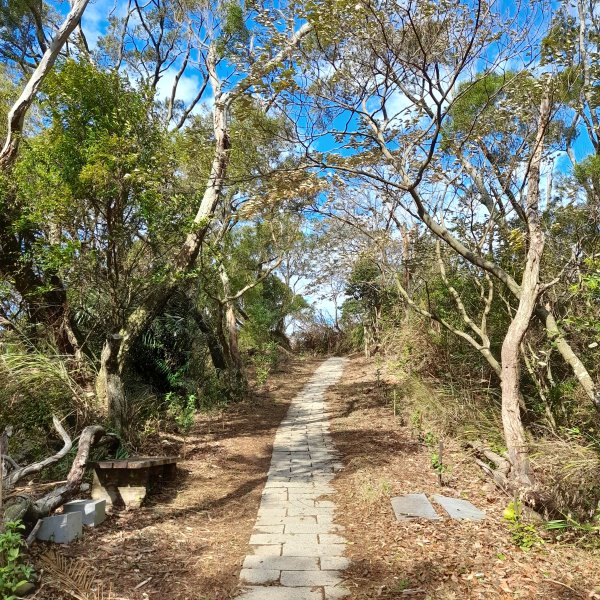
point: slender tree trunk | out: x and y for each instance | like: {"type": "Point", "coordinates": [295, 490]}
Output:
{"type": "Point", "coordinates": [16, 115]}
{"type": "Point", "coordinates": [109, 382]}
{"type": "Point", "coordinates": [556, 337]}
{"type": "Point", "coordinates": [566, 351]}
{"type": "Point", "coordinates": [514, 432]}
{"type": "Point", "coordinates": [231, 323]}
{"type": "Point", "coordinates": [216, 352]}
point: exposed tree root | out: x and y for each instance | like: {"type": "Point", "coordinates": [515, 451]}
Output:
{"type": "Point", "coordinates": [30, 510]}
{"type": "Point", "coordinates": [499, 469]}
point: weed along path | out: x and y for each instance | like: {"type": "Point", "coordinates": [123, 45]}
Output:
{"type": "Point", "coordinates": [297, 553]}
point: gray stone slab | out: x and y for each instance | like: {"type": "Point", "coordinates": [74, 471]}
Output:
{"type": "Point", "coordinates": [283, 563]}
{"type": "Point", "coordinates": [93, 512]}
{"type": "Point", "coordinates": [305, 578]}
{"type": "Point", "coordinates": [413, 506]}
{"type": "Point", "coordinates": [259, 575]}
{"type": "Point", "coordinates": [260, 539]}
{"type": "Point", "coordinates": [61, 529]}
{"type": "Point", "coordinates": [267, 550]}
{"type": "Point", "coordinates": [280, 593]}
{"type": "Point", "coordinates": [461, 510]}
{"type": "Point", "coordinates": [311, 528]}
{"type": "Point", "coordinates": [260, 528]}
{"type": "Point", "coordinates": [334, 563]}
{"type": "Point", "coordinates": [313, 550]}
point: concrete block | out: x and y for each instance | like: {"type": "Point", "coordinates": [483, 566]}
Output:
{"type": "Point", "coordinates": [93, 512]}
{"type": "Point", "coordinates": [61, 529]}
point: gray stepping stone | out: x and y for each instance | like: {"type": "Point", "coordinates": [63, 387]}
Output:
{"type": "Point", "coordinates": [413, 506]}
{"type": "Point", "coordinates": [461, 510]}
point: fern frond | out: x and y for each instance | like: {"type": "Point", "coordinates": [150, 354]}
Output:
{"type": "Point", "coordinates": [72, 577]}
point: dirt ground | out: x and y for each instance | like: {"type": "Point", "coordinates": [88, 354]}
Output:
{"type": "Point", "coordinates": [189, 541]}
{"type": "Point", "coordinates": [431, 560]}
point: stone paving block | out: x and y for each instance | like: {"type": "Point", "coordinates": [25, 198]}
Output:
{"type": "Point", "coordinates": [61, 529]}
{"type": "Point", "coordinates": [266, 513]}
{"type": "Point", "coordinates": [334, 563]}
{"type": "Point", "coordinates": [331, 538]}
{"type": "Point", "coordinates": [300, 503]}
{"type": "Point", "coordinates": [308, 511]}
{"type": "Point", "coordinates": [283, 538]}
{"type": "Point", "coordinates": [259, 575]}
{"type": "Point", "coordinates": [267, 550]}
{"type": "Point", "coordinates": [281, 563]}
{"type": "Point", "coordinates": [93, 512]}
{"type": "Point", "coordinates": [258, 528]}
{"type": "Point", "coordinates": [280, 593]}
{"type": "Point", "coordinates": [305, 578]}
{"type": "Point", "coordinates": [311, 528]}
{"type": "Point", "coordinates": [318, 550]}
{"type": "Point", "coordinates": [461, 510]}
{"type": "Point", "coordinates": [286, 520]}
{"type": "Point", "coordinates": [413, 506]}
{"type": "Point", "coordinates": [324, 518]}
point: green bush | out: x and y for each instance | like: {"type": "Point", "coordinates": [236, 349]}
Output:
{"type": "Point", "coordinates": [14, 571]}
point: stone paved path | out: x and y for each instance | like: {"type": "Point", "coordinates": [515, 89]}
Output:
{"type": "Point", "coordinates": [297, 551]}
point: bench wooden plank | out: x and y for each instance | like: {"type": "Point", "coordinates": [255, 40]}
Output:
{"type": "Point", "coordinates": [134, 463]}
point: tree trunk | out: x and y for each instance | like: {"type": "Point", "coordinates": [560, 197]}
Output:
{"type": "Point", "coordinates": [214, 348]}
{"type": "Point", "coordinates": [556, 337]}
{"type": "Point", "coordinates": [514, 432]}
{"type": "Point", "coordinates": [581, 373]}
{"type": "Point", "coordinates": [231, 323]}
{"type": "Point", "coordinates": [109, 382]}
{"type": "Point", "coordinates": [16, 115]}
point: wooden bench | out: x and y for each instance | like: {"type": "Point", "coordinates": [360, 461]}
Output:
{"type": "Point", "coordinates": [129, 480]}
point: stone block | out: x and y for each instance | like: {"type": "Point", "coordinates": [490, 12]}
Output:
{"type": "Point", "coordinates": [93, 512]}
{"type": "Point", "coordinates": [61, 529]}
{"type": "Point", "coordinates": [132, 496]}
